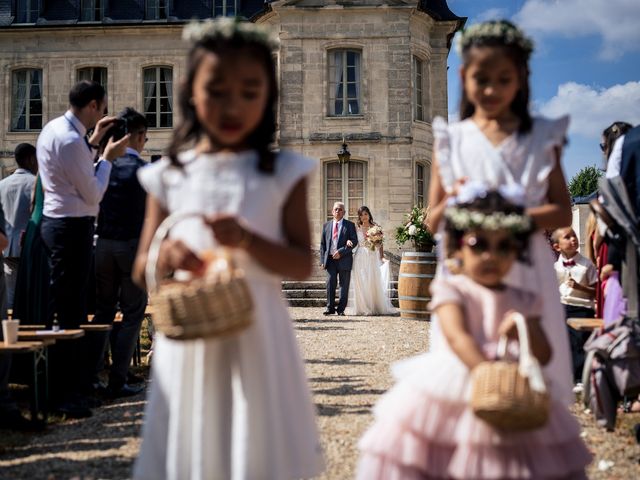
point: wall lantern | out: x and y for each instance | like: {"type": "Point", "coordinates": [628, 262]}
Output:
{"type": "Point", "coordinates": [344, 154]}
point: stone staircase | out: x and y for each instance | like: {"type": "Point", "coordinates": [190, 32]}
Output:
{"type": "Point", "coordinates": [312, 292]}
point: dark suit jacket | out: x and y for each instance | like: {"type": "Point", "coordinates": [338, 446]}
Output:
{"type": "Point", "coordinates": [629, 168]}
{"type": "Point", "coordinates": [347, 232]}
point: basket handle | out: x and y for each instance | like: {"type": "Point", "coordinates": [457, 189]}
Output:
{"type": "Point", "coordinates": [528, 365]}
{"type": "Point", "coordinates": [150, 271]}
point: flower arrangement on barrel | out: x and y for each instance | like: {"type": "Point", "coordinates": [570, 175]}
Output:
{"type": "Point", "coordinates": [415, 230]}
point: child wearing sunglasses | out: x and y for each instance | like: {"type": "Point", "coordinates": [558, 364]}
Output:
{"type": "Point", "coordinates": [424, 426]}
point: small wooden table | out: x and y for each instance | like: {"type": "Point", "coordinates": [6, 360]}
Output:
{"type": "Point", "coordinates": [40, 363]}
{"type": "Point", "coordinates": [583, 324]}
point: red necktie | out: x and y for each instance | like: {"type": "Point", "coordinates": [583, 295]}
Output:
{"type": "Point", "coordinates": [570, 263]}
{"type": "Point", "coordinates": [335, 230]}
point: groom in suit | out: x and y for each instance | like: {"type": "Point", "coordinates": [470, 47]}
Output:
{"type": "Point", "coordinates": [336, 257]}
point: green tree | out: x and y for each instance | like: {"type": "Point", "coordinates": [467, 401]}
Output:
{"type": "Point", "coordinates": [585, 182]}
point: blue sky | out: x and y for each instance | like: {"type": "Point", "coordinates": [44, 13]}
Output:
{"type": "Point", "coordinates": [586, 64]}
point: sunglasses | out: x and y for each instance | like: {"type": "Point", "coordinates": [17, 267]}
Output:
{"type": "Point", "coordinates": [602, 146]}
{"type": "Point", "coordinates": [480, 245]}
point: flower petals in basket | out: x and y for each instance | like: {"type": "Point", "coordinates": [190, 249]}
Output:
{"type": "Point", "coordinates": [217, 304]}
{"type": "Point", "coordinates": [508, 395]}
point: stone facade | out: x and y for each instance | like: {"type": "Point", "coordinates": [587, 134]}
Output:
{"type": "Point", "coordinates": [384, 136]}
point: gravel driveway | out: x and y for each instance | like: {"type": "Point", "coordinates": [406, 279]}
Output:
{"type": "Point", "coordinates": [347, 360]}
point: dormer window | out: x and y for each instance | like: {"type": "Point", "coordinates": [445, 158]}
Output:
{"type": "Point", "coordinates": [27, 11]}
{"type": "Point", "coordinates": [156, 9]}
{"type": "Point", "coordinates": [91, 10]}
{"type": "Point", "coordinates": [225, 8]}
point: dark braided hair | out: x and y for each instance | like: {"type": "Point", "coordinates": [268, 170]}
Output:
{"type": "Point", "coordinates": [190, 130]}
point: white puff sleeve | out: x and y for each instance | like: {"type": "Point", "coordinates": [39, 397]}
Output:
{"type": "Point", "coordinates": [151, 178]}
{"type": "Point", "coordinates": [442, 149]}
{"type": "Point", "coordinates": [291, 168]}
{"type": "Point", "coordinates": [555, 135]}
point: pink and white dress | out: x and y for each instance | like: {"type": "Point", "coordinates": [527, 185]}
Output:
{"type": "Point", "coordinates": [425, 428]}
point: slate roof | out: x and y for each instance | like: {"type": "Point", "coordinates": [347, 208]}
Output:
{"type": "Point", "coordinates": [66, 12]}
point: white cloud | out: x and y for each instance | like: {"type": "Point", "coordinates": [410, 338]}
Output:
{"type": "Point", "coordinates": [491, 14]}
{"type": "Point", "coordinates": [592, 109]}
{"type": "Point", "coordinates": [615, 21]}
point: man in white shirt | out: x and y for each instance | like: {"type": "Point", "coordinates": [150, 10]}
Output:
{"type": "Point", "coordinates": [15, 196]}
{"type": "Point", "coordinates": [73, 187]}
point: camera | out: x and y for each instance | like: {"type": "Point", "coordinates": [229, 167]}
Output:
{"type": "Point", "coordinates": [116, 131]}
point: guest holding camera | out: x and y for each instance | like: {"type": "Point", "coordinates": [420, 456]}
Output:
{"type": "Point", "coordinates": [73, 188]}
{"type": "Point", "coordinates": [119, 225]}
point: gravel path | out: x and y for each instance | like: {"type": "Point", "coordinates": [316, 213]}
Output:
{"type": "Point", "coordinates": [347, 360]}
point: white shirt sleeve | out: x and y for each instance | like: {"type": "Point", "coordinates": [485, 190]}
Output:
{"type": "Point", "coordinates": [90, 182]}
{"type": "Point", "coordinates": [615, 159]}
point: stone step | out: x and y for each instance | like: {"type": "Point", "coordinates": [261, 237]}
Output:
{"type": "Point", "coordinates": [315, 285]}
{"type": "Point", "coordinates": [317, 293]}
{"type": "Point", "coordinates": [319, 302]}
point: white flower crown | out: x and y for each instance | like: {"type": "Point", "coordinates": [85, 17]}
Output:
{"type": "Point", "coordinates": [464, 219]}
{"type": "Point", "coordinates": [227, 28]}
{"type": "Point", "coordinates": [501, 31]}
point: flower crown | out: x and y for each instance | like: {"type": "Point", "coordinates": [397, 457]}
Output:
{"type": "Point", "coordinates": [227, 28]}
{"type": "Point", "coordinates": [464, 220]}
{"type": "Point", "coordinates": [499, 31]}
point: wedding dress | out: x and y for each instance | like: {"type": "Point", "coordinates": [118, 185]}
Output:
{"type": "Point", "coordinates": [370, 279]}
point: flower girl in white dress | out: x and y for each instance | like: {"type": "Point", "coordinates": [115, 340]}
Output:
{"type": "Point", "coordinates": [235, 407]}
{"type": "Point", "coordinates": [370, 275]}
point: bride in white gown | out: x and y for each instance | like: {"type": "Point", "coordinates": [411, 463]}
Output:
{"type": "Point", "coordinates": [370, 275]}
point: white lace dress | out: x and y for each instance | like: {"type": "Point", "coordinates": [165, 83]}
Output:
{"type": "Point", "coordinates": [234, 408]}
{"type": "Point", "coordinates": [370, 279]}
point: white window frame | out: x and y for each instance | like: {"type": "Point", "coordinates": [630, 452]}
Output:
{"type": "Point", "coordinates": [28, 100]}
{"type": "Point", "coordinates": [344, 187]}
{"type": "Point", "coordinates": [94, 9]}
{"type": "Point", "coordinates": [224, 8]}
{"type": "Point", "coordinates": [153, 8]}
{"type": "Point", "coordinates": [93, 70]}
{"type": "Point", "coordinates": [333, 84]}
{"type": "Point", "coordinates": [30, 9]}
{"type": "Point", "coordinates": [156, 123]}
{"type": "Point", "coordinates": [419, 106]}
{"type": "Point", "coordinates": [421, 187]}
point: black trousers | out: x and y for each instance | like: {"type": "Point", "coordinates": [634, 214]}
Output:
{"type": "Point", "coordinates": [577, 338]}
{"type": "Point", "coordinates": [114, 286]}
{"type": "Point", "coordinates": [333, 273]}
{"type": "Point", "coordinates": [69, 244]}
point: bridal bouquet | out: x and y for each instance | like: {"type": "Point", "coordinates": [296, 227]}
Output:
{"type": "Point", "coordinates": [375, 237]}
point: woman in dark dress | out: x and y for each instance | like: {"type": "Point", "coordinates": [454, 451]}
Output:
{"type": "Point", "coordinates": [32, 284]}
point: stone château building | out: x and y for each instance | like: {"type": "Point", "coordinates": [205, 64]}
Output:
{"type": "Point", "coordinates": [371, 73]}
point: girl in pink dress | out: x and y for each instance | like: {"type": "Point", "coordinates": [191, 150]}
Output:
{"type": "Point", "coordinates": [425, 428]}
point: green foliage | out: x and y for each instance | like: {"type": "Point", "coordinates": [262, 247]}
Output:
{"type": "Point", "coordinates": [414, 230]}
{"type": "Point", "coordinates": [585, 182]}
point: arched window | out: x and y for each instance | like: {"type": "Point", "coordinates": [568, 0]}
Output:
{"type": "Point", "coordinates": [96, 74]}
{"type": "Point", "coordinates": [158, 96]}
{"type": "Point", "coordinates": [345, 183]}
{"type": "Point", "coordinates": [26, 98]}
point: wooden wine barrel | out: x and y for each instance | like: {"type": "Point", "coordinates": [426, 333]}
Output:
{"type": "Point", "coordinates": [417, 269]}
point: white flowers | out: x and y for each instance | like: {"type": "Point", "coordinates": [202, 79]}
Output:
{"type": "Point", "coordinates": [227, 27]}
{"type": "Point", "coordinates": [464, 220]}
{"type": "Point", "coordinates": [412, 230]}
{"type": "Point", "coordinates": [500, 31]}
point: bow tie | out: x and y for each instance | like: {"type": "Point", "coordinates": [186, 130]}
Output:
{"type": "Point", "coordinates": [570, 263]}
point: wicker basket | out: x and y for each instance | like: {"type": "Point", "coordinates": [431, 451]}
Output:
{"type": "Point", "coordinates": [511, 396]}
{"type": "Point", "coordinates": [217, 304]}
